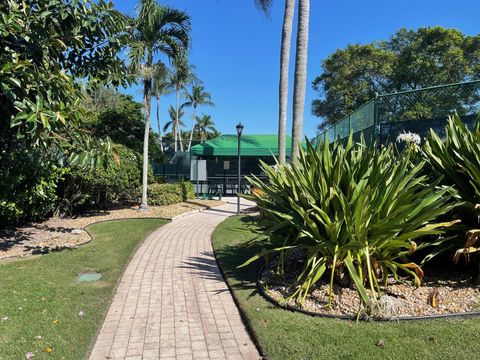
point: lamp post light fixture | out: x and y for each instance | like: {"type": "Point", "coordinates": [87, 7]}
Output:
{"type": "Point", "coordinates": [239, 128]}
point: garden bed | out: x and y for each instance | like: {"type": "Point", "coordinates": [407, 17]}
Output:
{"type": "Point", "coordinates": [61, 233]}
{"type": "Point", "coordinates": [285, 335]}
{"type": "Point", "coordinates": [450, 293]}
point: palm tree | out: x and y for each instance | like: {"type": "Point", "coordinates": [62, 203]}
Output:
{"type": "Point", "coordinates": [205, 127]}
{"type": "Point", "coordinates": [161, 86]}
{"type": "Point", "coordinates": [300, 82]}
{"type": "Point", "coordinates": [175, 123]}
{"type": "Point", "coordinates": [284, 67]}
{"type": "Point", "coordinates": [181, 76]}
{"type": "Point", "coordinates": [158, 29]}
{"type": "Point", "coordinates": [197, 97]}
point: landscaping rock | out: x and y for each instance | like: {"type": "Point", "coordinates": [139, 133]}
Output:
{"type": "Point", "coordinates": [456, 291]}
{"type": "Point", "coordinates": [57, 233]}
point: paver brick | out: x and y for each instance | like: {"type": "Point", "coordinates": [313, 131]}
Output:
{"type": "Point", "coordinates": [172, 302]}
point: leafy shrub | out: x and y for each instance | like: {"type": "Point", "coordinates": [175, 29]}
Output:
{"type": "Point", "coordinates": [354, 211]}
{"type": "Point", "coordinates": [168, 194]}
{"type": "Point", "coordinates": [28, 182]}
{"type": "Point", "coordinates": [188, 191]}
{"type": "Point", "coordinates": [456, 161]}
{"type": "Point", "coordinates": [102, 188]}
{"type": "Point", "coordinates": [164, 194]}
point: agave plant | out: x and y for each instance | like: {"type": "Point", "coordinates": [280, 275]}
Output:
{"type": "Point", "coordinates": [354, 211]}
{"type": "Point", "coordinates": [456, 161]}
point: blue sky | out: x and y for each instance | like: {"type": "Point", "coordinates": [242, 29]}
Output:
{"type": "Point", "coordinates": [236, 48]}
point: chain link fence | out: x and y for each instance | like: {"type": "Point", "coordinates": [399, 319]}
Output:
{"type": "Point", "coordinates": [383, 118]}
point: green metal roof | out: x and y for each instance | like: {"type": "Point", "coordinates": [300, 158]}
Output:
{"type": "Point", "coordinates": [251, 145]}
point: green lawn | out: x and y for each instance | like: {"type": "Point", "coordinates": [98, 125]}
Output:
{"type": "Point", "coordinates": [286, 335]}
{"type": "Point", "coordinates": [41, 297]}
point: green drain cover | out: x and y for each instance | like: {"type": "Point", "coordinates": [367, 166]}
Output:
{"type": "Point", "coordinates": [89, 277]}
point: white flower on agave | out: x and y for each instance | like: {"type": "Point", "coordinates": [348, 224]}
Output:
{"type": "Point", "coordinates": [409, 138]}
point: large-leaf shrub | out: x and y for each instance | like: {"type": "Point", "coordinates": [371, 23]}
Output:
{"type": "Point", "coordinates": [102, 188]}
{"type": "Point", "coordinates": [28, 184]}
{"type": "Point", "coordinates": [356, 212]}
{"type": "Point", "coordinates": [49, 49]}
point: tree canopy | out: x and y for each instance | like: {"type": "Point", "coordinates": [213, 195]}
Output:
{"type": "Point", "coordinates": [410, 59]}
{"type": "Point", "coordinates": [50, 52]}
{"type": "Point", "coordinates": [46, 46]}
{"type": "Point", "coordinates": [119, 117]}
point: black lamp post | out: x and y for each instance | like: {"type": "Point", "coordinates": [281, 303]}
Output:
{"type": "Point", "coordinates": [239, 128]}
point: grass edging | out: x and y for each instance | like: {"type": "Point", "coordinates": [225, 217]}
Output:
{"type": "Point", "coordinates": [243, 315]}
{"type": "Point", "coordinates": [285, 335]}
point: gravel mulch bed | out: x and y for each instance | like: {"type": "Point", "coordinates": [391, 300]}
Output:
{"type": "Point", "coordinates": [454, 293]}
{"type": "Point", "coordinates": [57, 233]}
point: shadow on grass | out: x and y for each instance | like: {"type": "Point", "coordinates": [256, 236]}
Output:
{"type": "Point", "coordinates": [231, 257]}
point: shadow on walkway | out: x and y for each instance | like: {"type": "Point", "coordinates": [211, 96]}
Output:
{"type": "Point", "coordinates": [205, 265]}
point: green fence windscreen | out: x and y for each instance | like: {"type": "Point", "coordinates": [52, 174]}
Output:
{"type": "Point", "coordinates": [382, 119]}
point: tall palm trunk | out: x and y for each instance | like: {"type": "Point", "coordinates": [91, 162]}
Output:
{"type": "Point", "coordinates": [180, 136]}
{"type": "Point", "coordinates": [283, 86]}
{"type": "Point", "coordinates": [147, 95]}
{"type": "Point", "coordinates": [176, 119]}
{"type": "Point", "coordinates": [158, 123]}
{"type": "Point", "coordinates": [300, 76]}
{"type": "Point", "coordinates": [193, 127]}
{"type": "Point", "coordinates": [178, 132]}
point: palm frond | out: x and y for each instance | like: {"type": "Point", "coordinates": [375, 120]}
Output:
{"type": "Point", "coordinates": [264, 6]}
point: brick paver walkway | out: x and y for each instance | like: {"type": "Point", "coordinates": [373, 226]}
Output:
{"type": "Point", "coordinates": [172, 302]}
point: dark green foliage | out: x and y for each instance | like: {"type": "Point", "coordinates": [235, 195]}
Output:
{"type": "Point", "coordinates": [168, 194]}
{"type": "Point", "coordinates": [354, 211]}
{"type": "Point", "coordinates": [119, 117]}
{"type": "Point", "coordinates": [456, 161]}
{"type": "Point", "coordinates": [101, 188]}
{"type": "Point", "coordinates": [47, 45]}
{"type": "Point", "coordinates": [28, 183]}
{"type": "Point", "coordinates": [408, 60]}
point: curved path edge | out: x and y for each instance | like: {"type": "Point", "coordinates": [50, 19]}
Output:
{"type": "Point", "coordinates": [172, 301]}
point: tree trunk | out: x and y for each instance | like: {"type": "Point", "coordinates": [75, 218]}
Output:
{"type": "Point", "coordinates": [180, 136]}
{"type": "Point", "coordinates": [283, 86]}
{"type": "Point", "coordinates": [176, 119]}
{"type": "Point", "coordinates": [178, 132]}
{"type": "Point", "coordinates": [193, 127]}
{"type": "Point", "coordinates": [147, 94]}
{"type": "Point", "coordinates": [158, 124]}
{"type": "Point", "coordinates": [300, 76]}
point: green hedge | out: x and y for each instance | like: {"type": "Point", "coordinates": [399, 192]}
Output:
{"type": "Point", "coordinates": [168, 194]}
{"type": "Point", "coordinates": [102, 188]}
{"type": "Point", "coordinates": [28, 185]}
